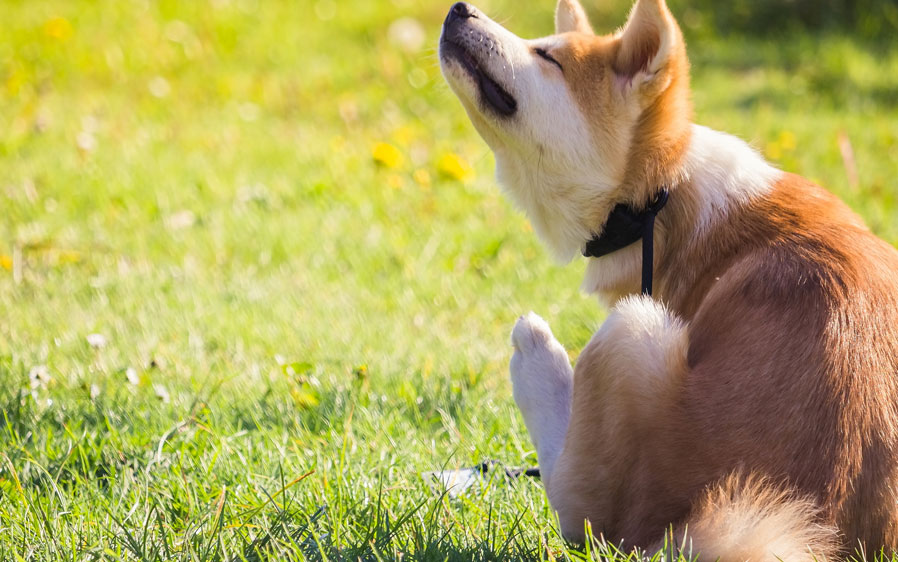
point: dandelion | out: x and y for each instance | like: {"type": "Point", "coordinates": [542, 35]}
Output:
{"type": "Point", "coordinates": [86, 141]}
{"type": "Point", "coordinates": [14, 81]}
{"type": "Point", "coordinates": [395, 181]}
{"type": "Point", "coordinates": [132, 376]}
{"type": "Point", "coordinates": [159, 87]}
{"type": "Point", "coordinates": [58, 28]}
{"type": "Point", "coordinates": [455, 167]}
{"type": "Point", "coordinates": [181, 220]}
{"type": "Point", "coordinates": [422, 177]}
{"type": "Point", "coordinates": [387, 155]}
{"type": "Point", "coordinates": [96, 341]}
{"type": "Point", "coordinates": [787, 140]}
{"type": "Point", "coordinates": [68, 256]}
{"type": "Point", "coordinates": [6, 262]}
{"type": "Point", "coordinates": [304, 398]}
{"type": "Point", "coordinates": [161, 393]}
{"type": "Point", "coordinates": [784, 143]}
{"type": "Point", "coordinates": [38, 379]}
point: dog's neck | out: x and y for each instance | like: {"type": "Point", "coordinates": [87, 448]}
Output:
{"type": "Point", "coordinates": [719, 174]}
{"type": "Point", "coordinates": [659, 157]}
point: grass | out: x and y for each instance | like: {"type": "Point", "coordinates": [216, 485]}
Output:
{"type": "Point", "coordinates": [256, 277]}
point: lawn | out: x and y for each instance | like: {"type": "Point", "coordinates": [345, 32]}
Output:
{"type": "Point", "coordinates": [256, 276]}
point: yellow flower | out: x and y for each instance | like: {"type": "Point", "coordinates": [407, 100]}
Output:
{"type": "Point", "coordinates": [387, 155]}
{"type": "Point", "coordinates": [58, 28]}
{"type": "Point", "coordinates": [68, 256]}
{"type": "Point", "coordinates": [421, 177]}
{"type": "Point", "coordinates": [454, 166]}
{"type": "Point", "coordinates": [6, 262]}
{"type": "Point", "coordinates": [787, 140]}
{"type": "Point", "coordinates": [15, 81]}
{"type": "Point", "coordinates": [303, 398]}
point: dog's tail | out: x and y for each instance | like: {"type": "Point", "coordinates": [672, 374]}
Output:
{"type": "Point", "coordinates": [747, 518]}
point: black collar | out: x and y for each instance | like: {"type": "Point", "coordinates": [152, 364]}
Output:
{"type": "Point", "coordinates": [626, 225]}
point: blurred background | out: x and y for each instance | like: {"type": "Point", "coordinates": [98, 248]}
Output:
{"type": "Point", "coordinates": [272, 220]}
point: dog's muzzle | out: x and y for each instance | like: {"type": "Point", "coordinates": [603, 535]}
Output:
{"type": "Point", "coordinates": [462, 43]}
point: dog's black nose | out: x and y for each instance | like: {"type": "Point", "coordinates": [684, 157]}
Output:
{"type": "Point", "coordinates": [459, 11]}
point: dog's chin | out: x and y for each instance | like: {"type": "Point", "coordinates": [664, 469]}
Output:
{"type": "Point", "coordinates": [459, 64]}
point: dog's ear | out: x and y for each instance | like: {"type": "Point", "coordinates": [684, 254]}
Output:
{"type": "Point", "coordinates": [647, 43]}
{"type": "Point", "coordinates": [570, 16]}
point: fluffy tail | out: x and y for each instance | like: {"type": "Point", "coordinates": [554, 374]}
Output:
{"type": "Point", "coordinates": [748, 519]}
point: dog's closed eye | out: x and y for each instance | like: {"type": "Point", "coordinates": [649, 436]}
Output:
{"type": "Point", "coordinates": [545, 55]}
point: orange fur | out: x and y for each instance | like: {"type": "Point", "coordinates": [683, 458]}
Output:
{"type": "Point", "coordinates": [774, 355]}
{"type": "Point", "coordinates": [790, 374]}
{"type": "Point", "coordinates": [749, 519]}
{"type": "Point", "coordinates": [603, 64]}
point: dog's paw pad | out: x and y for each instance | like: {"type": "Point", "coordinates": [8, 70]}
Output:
{"type": "Point", "coordinates": [530, 332]}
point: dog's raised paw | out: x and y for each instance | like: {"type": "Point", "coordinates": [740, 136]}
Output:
{"type": "Point", "coordinates": [530, 332]}
{"type": "Point", "coordinates": [540, 367]}
{"type": "Point", "coordinates": [542, 384]}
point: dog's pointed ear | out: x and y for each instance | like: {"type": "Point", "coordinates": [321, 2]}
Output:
{"type": "Point", "coordinates": [648, 41]}
{"type": "Point", "coordinates": [570, 16]}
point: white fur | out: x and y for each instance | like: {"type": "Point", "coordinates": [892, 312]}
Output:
{"type": "Point", "coordinates": [635, 357]}
{"type": "Point", "coordinates": [647, 338]}
{"type": "Point", "coordinates": [542, 381]}
{"type": "Point", "coordinates": [740, 519]}
{"type": "Point", "coordinates": [644, 345]}
{"type": "Point", "coordinates": [622, 268]}
{"type": "Point", "coordinates": [562, 172]}
{"type": "Point", "coordinates": [722, 172]}
{"type": "Point", "coordinates": [546, 157]}
{"type": "Point", "coordinates": [548, 162]}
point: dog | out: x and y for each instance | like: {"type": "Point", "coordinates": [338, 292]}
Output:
{"type": "Point", "coordinates": [751, 405]}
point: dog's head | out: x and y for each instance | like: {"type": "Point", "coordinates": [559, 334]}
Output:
{"type": "Point", "coordinates": [578, 122]}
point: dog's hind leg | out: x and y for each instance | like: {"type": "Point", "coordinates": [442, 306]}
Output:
{"type": "Point", "coordinates": [542, 381]}
{"type": "Point", "coordinates": [625, 383]}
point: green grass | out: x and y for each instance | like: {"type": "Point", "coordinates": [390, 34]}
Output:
{"type": "Point", "coordinates": [294, 333]}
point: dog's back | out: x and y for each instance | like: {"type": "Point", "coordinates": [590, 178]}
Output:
{"type": "Point", "coordinates": [793, 360]}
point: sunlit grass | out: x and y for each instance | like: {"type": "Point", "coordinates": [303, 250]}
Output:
{"type": "Point", "coordinates": [286, 232]}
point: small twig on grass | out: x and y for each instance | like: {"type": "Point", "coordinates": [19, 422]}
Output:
{"type": "Point", "coordinates": [848, 160]}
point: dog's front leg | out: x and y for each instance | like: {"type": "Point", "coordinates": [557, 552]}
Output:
{"type": "Point", "coordinates": [608, 412]}
{"type": "Point", "coordinates": [542, 381]}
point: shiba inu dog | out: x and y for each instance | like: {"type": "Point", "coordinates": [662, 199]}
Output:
{"type": "Point", "coordinates": [752, 403]}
